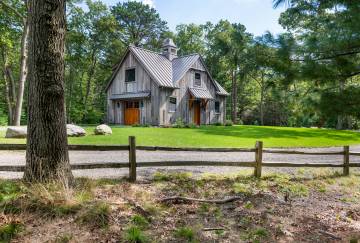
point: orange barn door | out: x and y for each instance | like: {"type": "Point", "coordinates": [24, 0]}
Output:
{"type": "Point", "coordinates": [197, 113]}
{"type": "Point", "coordinates": [132, 113]}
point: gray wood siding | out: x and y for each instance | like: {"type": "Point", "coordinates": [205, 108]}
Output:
{"type": "Point", "coordinates": [183, 110]}
{"type": "Point", "coordinates": [143, 82]}
{"type": "Point", "coordinates": [155, 110]}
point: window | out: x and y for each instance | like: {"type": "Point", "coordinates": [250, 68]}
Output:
{"type": "Point", "coordinates": [129, 80]}
{"type": "Point", "coordinates": [197, 81]}
{"type": "Point", "coordinates": [217, 107]}
{"type": "Point", "coordinates": [172, 104]}
{"type": "Point", "coordinates": [130, 75]}
{"type": "Point", "coordinates": [132, 104]}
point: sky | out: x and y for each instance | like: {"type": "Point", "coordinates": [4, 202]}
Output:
{"type": "Point", "coordinates": [258, 16]}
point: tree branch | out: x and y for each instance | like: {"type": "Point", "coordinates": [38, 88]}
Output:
{"type": "Point", "coordinates": [23, 17]}
{"type": "Point", "coordinates": [189, 199]}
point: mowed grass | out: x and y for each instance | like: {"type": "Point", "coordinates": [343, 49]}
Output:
{"type": "Point", "coordinates": [217, 136]}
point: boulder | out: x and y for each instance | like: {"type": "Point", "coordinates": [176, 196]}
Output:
{"type": "Point", "coordinates": [16, 132]}
{"type": "Point", "coordinates": [103, 130]}
{"type": "Point", "coordinates": [75, 131]}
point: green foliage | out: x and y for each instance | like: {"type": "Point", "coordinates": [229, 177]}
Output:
{"type": "Point", "coordinates": [228, 123]}
{"type": "Point", "coordinates": [97, 215]}
{"type": "Point", "coordinates": [135, 235]}
{"type": "Point", "coordinates": [179, 123]}
{"type": "Point", "coordinates": [139, 24]}
{"type": "Point", "coordinates": [10, 230]}
{"type": "Point", "coordinates": [256, 235]}
{"type": "Point", "coordinates": [139, 221]}
{"type": "Point", "coordinates": [64, 238]}
{"type": "Point", "coordinates": [186, 233]}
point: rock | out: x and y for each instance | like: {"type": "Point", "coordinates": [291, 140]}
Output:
{"type": "Point", "coordinates": [75, 131]}
{"type": "Point", "coordinates": [16, 132]}
{"type": "Point", "coordinates": [103, 130]}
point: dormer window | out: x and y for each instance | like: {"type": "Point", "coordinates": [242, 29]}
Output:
{"type": "Point", "coordinates": [197, 80]}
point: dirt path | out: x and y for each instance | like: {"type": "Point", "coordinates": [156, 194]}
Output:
{"type": "Point", "coordinates": [18, 158]}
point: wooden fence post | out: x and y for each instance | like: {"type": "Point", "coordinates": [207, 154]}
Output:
{"type": "Point", "coordinates": [258, 158]}
{"type": "Point", "coordinates": [132, 159]}
{"type": "Point", "coordinates": [346, 160]}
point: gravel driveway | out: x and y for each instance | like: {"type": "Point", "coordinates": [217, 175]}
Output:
{"type": "Point", "coordinates": [18, 158]}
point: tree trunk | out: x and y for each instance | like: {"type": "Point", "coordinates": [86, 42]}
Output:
{"type": "Point", "coordinates": [47, 157]}
{"type": "Point", "coordinates": [23, 72]}
{"type": "Point", "coordinates": [340, 118]}
{"type": "Point", "coordinates": [234, 97]}
{"type": "Point", "coordinates": [88, 83]}
{"type": "Point", "coordinates": [7, 88]}
{"type": "Point", "coordinates": [262, 92]}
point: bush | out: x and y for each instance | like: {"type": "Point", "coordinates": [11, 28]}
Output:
{"type": "Point", "coordinates": [135, 235]}
{"type": "Point", "coordinates": [229, 123]}
{"type": "Point", "coordinates": [97, 215]}
{"type": "Point", "coordinates": [185, 233]}
{"type": "Point", "coordinates": [139, 221]}
{"type": "Point", "coordinates": [179, 123]}
{"type": "Point", "coordinates": [191, 125]}
{"type": "Point", "coordinates": [8, 231]}
{"type": "Point", "coordinates": [218, 124]}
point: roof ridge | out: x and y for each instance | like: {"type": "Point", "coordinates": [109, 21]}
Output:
{"type": "Point", "coordinates": [141, 48]}
{"type": "Point", "coordinates": [188, 55]}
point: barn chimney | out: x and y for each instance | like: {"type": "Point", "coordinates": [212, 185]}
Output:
{"type": "Point", "coordinates": [169, 49]}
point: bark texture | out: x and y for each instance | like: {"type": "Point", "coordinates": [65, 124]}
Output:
{"type": "Point", "coordinates": [47, 156]}
{"type": "Point", "coordinates": [234, 98]}
{"type": "Point", "coordinates": [23, 71]}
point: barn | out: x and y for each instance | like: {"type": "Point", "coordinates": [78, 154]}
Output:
{"type": "Point", "coordinates": [153, 88]}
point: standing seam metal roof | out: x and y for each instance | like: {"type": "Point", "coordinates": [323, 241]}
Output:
{"type": "Point", "coordinates": [156, 64]}
{"type": "Point", "coordinates": [201, 93]}
{"type": "Point", "coordinates": [181, 65]}
{"type": "Point", "coordinates": [165, 72]}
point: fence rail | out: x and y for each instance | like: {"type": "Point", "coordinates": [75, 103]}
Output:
{"type": "Point", "coordinates": [257, 164]}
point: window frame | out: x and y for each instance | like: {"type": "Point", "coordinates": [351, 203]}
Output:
{"type": "Point", "coordinates": [200, 79]}
{"type": "Point", "coordinates": [172, 104]}
{"type": "Point", "coordinates": [217, 111]}
{"type": "Point", "coordinates": [127, 70]}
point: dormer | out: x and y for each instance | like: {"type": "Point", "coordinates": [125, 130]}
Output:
{"type": "Point", "coordinates": [169, 49]}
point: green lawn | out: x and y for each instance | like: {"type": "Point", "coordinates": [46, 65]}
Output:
{"type": "Point", "coordinates": [213, 136]}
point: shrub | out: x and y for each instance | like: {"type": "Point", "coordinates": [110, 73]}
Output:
{"type": "Point", "coordinates": [191, 125]}
{"type": "Point", "coordinates": [179, 123]}
{"type": "Point", "coordinates": [135, 235]}
{"type": "Point", "coordinates": [50, 200]}
{"type": "Point", "coordinates": [218, 124]}
{"type": "Point", "coordinates": [97, 215]}
{"type": "Point", "coordinates": [185, 233]}
{"type": "Point", "coordinates": [139, 221]}
{"type": "Point", "coordinates": [63, 238]}
{"type": "Point", "coordinates": [228, 123]}
{"type": "Point", "coordinates": [9, 231]}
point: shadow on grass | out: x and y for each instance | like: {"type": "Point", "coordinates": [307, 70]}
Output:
{"type": "Point", "coordinates": [258, 132]}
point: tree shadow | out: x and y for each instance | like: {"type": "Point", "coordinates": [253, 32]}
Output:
{"type": "Point", "coordinates": [259, 132]}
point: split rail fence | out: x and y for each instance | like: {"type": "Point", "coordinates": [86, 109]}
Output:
{"type": "Point", "coordinates": [257, 164]}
